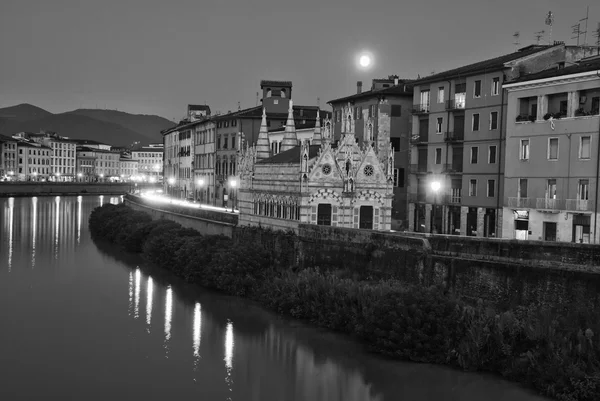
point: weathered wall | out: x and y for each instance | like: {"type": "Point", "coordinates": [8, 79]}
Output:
{"type": "Point", "coordinates": [61, 188]}
{"type": "Point", "coordinates": [208, 222]}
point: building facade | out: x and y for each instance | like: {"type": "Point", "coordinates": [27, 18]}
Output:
{"type": "Point", "coordinates": [325, 183]}
{"type": "Point", "coordinates": [33, 161]}
{"type": "Point", "coordinates": [384, 111]}
{"type": "Point", "coordinates": [8, 157]}
{"type": "Point", "coordinates": [86, 164]}
{"type": "Point", "coordinates": [457, 171]}
{"type": "Point", "coordinates": [63, 153]}
{"type": "Point", "coordinates": [553, 135]}
{"type": "Point", "coordinates": [204, 161]}
{"type": "Point", "coordinates": [150, 161]}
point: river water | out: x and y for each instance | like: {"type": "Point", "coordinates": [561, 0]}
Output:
{"type": "Point", "coordinates": [81, 320]}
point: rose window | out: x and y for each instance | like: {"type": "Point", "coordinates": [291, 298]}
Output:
{"type": "Point", "coordinates": [326, 169]}
{"type": "Point", "coordinates": [369, 170]}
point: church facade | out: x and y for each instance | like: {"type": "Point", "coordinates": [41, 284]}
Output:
{"type": "Point", "coordinates": [323, 182]}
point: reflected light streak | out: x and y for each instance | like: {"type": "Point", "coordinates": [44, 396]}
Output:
{"type": "Point", "coordinates": [197, 328]}
{"type": "Point", "coordinates": [34, 234]}
{"type": "Point", "coordinates": [79, 202]}
{"type": "Point", "coordinates": [138, 277]}
{"type": "Point", "coordinates": [101, 200]}
{"type": "Point", "coordinates": [130, 292]}
{"type": "Point", "coordinates": [168, 316]}
{"type": "Point", "coordinates": [114, 200]}
{"type": "Point", "coordinates": [229, 354]}
{"type": "Point", "coordinates": [11, 208]}
{"type": "Point", "coordinates": [57, 201]}
{"type": "Point", "coordinates": [149, 290]}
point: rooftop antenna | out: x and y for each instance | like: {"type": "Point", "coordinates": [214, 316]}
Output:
{"type": "Point", "coordinates": [577, 32]}
{"type": "Point", "coordinates": [516, 35]}
{"type": "Point", "coordinates": [597, 35]}
{"type": "Point", "coordinates": [550, 21]}
{"type": "Point", "coordinates": [587, 13]}
{"type": "Point", "coordinates": [538, 35]}
{"type": "Point", "coordinates": [239, 107]}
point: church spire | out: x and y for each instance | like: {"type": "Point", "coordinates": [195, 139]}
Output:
{"type": "Point", "coordinates": [317, 135]}
{"type": "Point", "coordinates": [262, 143]}
{"type": "Point", "coordinates": [290, 139]}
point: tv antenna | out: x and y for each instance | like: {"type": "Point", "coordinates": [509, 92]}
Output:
{"type": "Point", "coordinates": [239, 107]}
{"type": "Point", "coordinates": [517, 36]}
{"type": "Point", "coordinates": [576, 31]}
{"type": "Point", "coordinates": [538, 35]}
{"type": "Point", "coordinates": [550, 22]}
{"type": "Point", "coordinates": [597, 35]}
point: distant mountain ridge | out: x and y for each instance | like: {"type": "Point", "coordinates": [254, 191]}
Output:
{"type": "Point", "coordinates": [113, 127]}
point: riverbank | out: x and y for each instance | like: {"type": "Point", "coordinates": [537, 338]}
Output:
{"type": "Point", "coordinates": [557, 352]}
{"type": "Point", "coordinates": [21, 189]}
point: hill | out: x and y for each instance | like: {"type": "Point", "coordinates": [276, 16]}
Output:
{"type": "Point", "coordinates": [78, 127]}
{"type": "Point", "coordinates": [23, 112]}
{"type": "Point", "coordinates": [147, 125]}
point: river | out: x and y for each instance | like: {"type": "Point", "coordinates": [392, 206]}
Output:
{"type": "Point", "coordinates": [81, 320]}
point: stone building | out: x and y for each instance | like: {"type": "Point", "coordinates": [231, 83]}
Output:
{"type": "Point", "coordinates": [458, 132]}
{"type": "Point", "coordinates": [551, 175]}
{"type": "Point", "coordinates": [339, 184]}
{"type": "Point", "coordinates": [8, 157]}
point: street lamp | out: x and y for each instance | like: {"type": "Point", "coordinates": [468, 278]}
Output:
{"type": "Point", "coordinates": [58, 176]}
{"type": "Point", "coordinates": [233, 184]}
{"type": "Point", "coordinates": [35, 176]}
{"type": "Point", "coordinates": [171, 182]}
{"type": "Point", "coordinates": [435, 186]}
{"type": "Point", "coordinates": [200, 184]}
{"type": "Point", "coordinates": [79, 175]}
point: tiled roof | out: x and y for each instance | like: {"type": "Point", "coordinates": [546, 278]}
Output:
{"type": "Point", "coordinates": [291, 156]}
{"type": "Point", "coordinates": [201, 107]}
{"type": "Point", "coordinates": [275, 83]}
{"type": "Point", "coordinates": [486, 65]}
{"type": "Point", "coordinates": [4, 138]}
{"type": "Point", "coordinates": [87, 142]}
{"type": "Point", "coordinates": [256, 112]}
{"type": "Point", "coordinates": [308, 125]}
{"type": "Point", "coordinates": [403, 88]}
{"type": "Point", "coordinates": [585, 65]}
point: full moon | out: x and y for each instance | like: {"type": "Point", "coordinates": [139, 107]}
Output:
{"type": "Point", "coordinates": [364, 60]}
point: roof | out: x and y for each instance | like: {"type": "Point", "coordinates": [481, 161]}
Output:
{"type": "Point", "coordinates": [88, 142]}
{"type": "Point", "coordinates": [585, 65]}
{"type": "Point", "coordinates": [201, 107]}
{"type": "Point", "coordinates": [287, 84]}
{"type": "Point", "coordinates": [256, 112]}
{"type": "Point", "coordinates": [148, 149]}
{"type": "Point", "coordinates": [402, 89]}
{"type": "Point", "coordinates": [310, 124]}
{"type": "Point", "coordinates": [486, 65]}
{"type": "Point", "coordinates": [86, 149]}
{"type": "Point", "coordinates": [4, 138]}
{"type": "Point", "coordinates": [291, 155]}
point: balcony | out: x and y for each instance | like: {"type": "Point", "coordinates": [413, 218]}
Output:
{"type": "Point", "coordinates": [579, 205]}
{"type": "Point", "coordinates": [454, 136]}
{"type": "Point", "coordinates": [452, 199]}
{"type": "Point", "coordinates": [452, 168]}
{"type": "Point", "coordinates": [522, 118]}
{"type": "Point", "coordinates": [418, 168]}
{"type": "Point", "coordinates": [521, 202]}
{"type": "Point", "coordinates": [416, 198]}
{"type": "Point", "coordinates": [455, 104]}
{"type": "Point", "coordinates": [419, 139]}
{"type": "Point", "coordinates": [549, 204]}
{"type": "Point", "coordinates": [422, 108]}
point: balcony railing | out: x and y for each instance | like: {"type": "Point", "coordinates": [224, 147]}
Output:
{"type": "Point", "coordinates": [452, 168]}
{"type": "Point", "coordinates": [422, 108]}
{"type": "Point", "coordinates": [580, 205]}
{"type": "Point", "coordinates": [454, 136]}
{"type": "Point", "coordinates": [416, 198]}
{"type": "Point", "coordinates": [418, 168]}
{"type": "Point", "coordinates": [419, 139]}
{"type": "Point", "coordinates": [521, 202]}
{"type": "Point", "coordinates": [451, 199]}
{"type": "Point", "coordinates": [549, 204]}
{"type": "Point", "coordinates": [455, 104]}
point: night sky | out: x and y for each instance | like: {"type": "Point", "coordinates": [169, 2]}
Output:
{"type": "Point", "coordinates": [155, 57]}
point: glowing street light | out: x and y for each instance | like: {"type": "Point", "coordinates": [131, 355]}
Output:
{"type": "Point", "coordinates": [364, 60]}
{"type": "Point", "coordinates": [233, 183]}
{"type": "Point", "coordinates": [435, 186]}
{"type": "Point", "coordinates": [171, 180]}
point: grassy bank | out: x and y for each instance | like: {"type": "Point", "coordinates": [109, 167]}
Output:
{"type": "Point", "coordinates": [555, 351]}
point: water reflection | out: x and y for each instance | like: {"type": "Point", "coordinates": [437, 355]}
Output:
{"type": "Point", "coordinates": [34, 229]}
{"type": "Point", "coordinates": [130, 309]}
{"type": "Point", "coordinates": [229, 356]}
{"type": "Point", "coordinates": [57, 224]}
{"type": "Point", "coordinates": [11, 209]}
{"type": "Point", "coordinates": [149, 289]}
{"type": "Point", "coordinates": [197, 334]}
{"type": "Point", "coordinates": [168, 316]}
{"type": "Point", "coordinates": [138, 276]}
{"type": "Point", "coordinates": [101, 200]}
{"type": "Point", "coordinates": [79, 201]}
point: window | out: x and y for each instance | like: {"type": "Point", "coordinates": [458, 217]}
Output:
{"type": "Point", "coordinates": [476, 122]}
{"type": "Point", "coordinates": [425, 100]}
{"type": "Point", "coordinates": [524, 152]}
{"type": "Point", "coordinates": [552, 148]}
{"type": "Point", "coordinates": [522, 190]}
{"type": "Point", "coordinates": [477, 89]}
{"type": "Point", "coordinates": [491, 188]}
{"type": "Point", "coordinates": [495, 86]}
{"type": "Point", "coordinates": [440, 95]}
{"type": "Point", "coordinates": [494, 120]}
{"type": "Point", "coordinates": [399, 177]}
{"type": "Point", "coordinates": [396, 110]}
{"type": "Point", "coordinates": [395, 144]}
{"type": "Point", "coordinates": [324, 214]}
{"type": "Point", "coordinates": [355, 113]}
{"type": "Point", "coordinates": [584, 147]}
{"type": "Point", "coordinates": [438, 125]}
{"type": "Point", "coordinates": [233, 142]}
{"type": "Point", "coordinates": [492, 154]}
{"type": "Point", "coordinates": [219, 142]}
{"type": "Point", "coordinates": [551, 189]}
{"type": "Point", "coordinates": [233, 123]}
{"type": "Point", "coordinates": [472, 187]}
{"type": "Point", "coordinates": [583, 191]}
{"type": "Point", "coordinates": [438, 155]}
{"type": "Point", "coordinates": [474, 154]}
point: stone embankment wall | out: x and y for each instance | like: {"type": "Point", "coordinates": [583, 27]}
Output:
{"type": "Point", "coordinates": [504, 272]}
{"type": "Point", "coordinates": [8, 189]}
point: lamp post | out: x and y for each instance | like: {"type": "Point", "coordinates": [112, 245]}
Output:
{"type": "Point", "coordinates": [171, 182]}
{"type": "Point", "coordinates": [35, 176]}
{"type": "Point", "coordinates": [58, 176]}
{"type": "Point", "coordinates": [233, 184]}
{"type": "Point", "coordinates": [79, 176]}
{"type": "Point", "coordinates": [435, 186]}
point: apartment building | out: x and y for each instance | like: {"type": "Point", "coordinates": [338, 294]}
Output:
{"type": "Point", "coordinates": [150, 161]}
{"type": "Point", "coordinates": [33, 161]}
{"type": "Point", "coordinates": [86, 164]}
{"type": "Point", "coordinates": [457, 145]}
{"type": "Point", "coordinates": [379, 116]}
{"type": "Point", "coordinates": [8, 157]}
{"type": "Point", "coordinates": [553, 137]}
{"type": "Point", "coordinates": [204, 161]}
{"type": "Point", "coordinates": [63, 153]}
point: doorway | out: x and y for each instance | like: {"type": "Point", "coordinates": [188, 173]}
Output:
{"type": "Point", "coordinates": [366, 217]}
{"type": "Point", "coordinates": [549, 231]}
{"type": "Point", "coordinates": [324, 214]}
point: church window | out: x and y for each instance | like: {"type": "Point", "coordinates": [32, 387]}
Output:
{"type": "Point", "coordinates": [369, 170]}
{"type": "Point", "coordinates": [326, 169]}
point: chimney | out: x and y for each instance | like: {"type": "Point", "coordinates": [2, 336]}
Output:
{"type": "Point", "coordinates": [395, 81]}
{"type": "Point", "coordinates": [359, 87]}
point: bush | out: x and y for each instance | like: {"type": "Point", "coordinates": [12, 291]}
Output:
{"type": "Point", "coordinates": [556, 351]}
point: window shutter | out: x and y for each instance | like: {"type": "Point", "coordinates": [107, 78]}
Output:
{"type": "Point", "coordinates": [314, 215]}
{"type": "Point", "coordinates": [376, 219]}
{"type": "Point", "coordinates": [334, 216]}
{"type": "Point", "coordinates": [356, 214]}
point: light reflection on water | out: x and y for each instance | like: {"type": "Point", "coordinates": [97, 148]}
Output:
{"type": "Point", "coordinates": [34, 201]}
{"type": "Point", "coordinates": [207, 346]}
